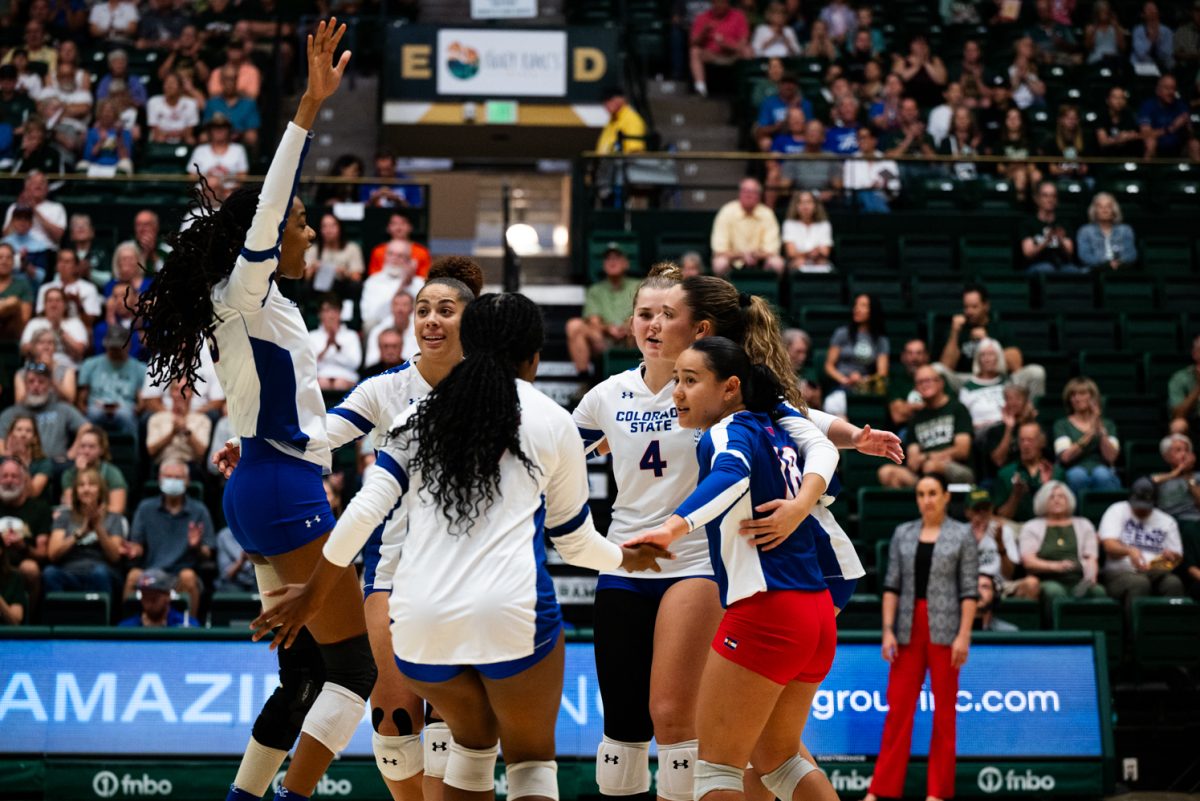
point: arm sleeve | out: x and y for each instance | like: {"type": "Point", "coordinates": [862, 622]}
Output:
{"type": "Point", "coordinates": [256, 264]}
{"type": "Point", "coordinates": [587, 422]}
{"type": "Point", "coordinates": [350, 355]}
{"type": "Point", "coordinates": [357, 414]}
{"type": "Point", "coordinates": [380, 493]}
{"type": "Point", "coordinates": [770, 242]}
{"type": "Point", "coordinates": [591, 308]}
{"type": "Point", "coordinates": [568, 518]}
{"type": "Point", "coordinates": [820, 454]}
{"type": "Point", "coordinates": [726, 482]}
{"type": "Point", "coordinates": [968, 568]}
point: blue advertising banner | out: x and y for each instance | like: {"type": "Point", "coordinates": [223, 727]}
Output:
{"type": "Point", "coordinates": [114, 698]}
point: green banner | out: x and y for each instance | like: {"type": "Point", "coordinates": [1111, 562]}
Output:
{"type": "Point", "coordinates": [982, 779]}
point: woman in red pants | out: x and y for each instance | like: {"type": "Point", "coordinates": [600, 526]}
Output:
{"type": "Point", "coordinates": [928, 605]}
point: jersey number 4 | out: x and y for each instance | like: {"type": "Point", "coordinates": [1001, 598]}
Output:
{"type": "Point", "coordinates": [652, 459]}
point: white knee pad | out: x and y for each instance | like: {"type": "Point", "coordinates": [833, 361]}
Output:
{"type": "Point", "coordinates": [398, 757]}
{"type": "Point", "coordinates": [711, 776]}
{"type": "Point", "coordinates": [470, 769]}
{"type": "Point", "coordinates": [676, 770]}
{"type": "Point", "coordinates": [623, 768]}
{"type": "Point", "coordinates": [533, 778]}
{"type": "Point", "coordinates": [783, 780]}
{"type": "Point", "coordinates": [437, 748]}
{"type": "Point", "coordinates": [334, 717]}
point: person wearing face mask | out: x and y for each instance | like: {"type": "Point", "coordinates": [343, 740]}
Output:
{"type": "Point", "coordinates": [399, 274]}
{"type": "Point", "coordinates": [57, 421]}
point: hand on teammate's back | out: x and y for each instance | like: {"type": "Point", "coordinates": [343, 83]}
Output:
{"type": "Point", "coordinates": [643, 557]}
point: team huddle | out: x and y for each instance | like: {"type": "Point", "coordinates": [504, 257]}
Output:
{"type": "Point", "coordinates": [720, 575]}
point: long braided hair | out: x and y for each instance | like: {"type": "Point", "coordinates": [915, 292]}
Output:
{"type": "Point", "coordinates": [175, 314]}
{"type": "Point", "coordinates": [460, 462]}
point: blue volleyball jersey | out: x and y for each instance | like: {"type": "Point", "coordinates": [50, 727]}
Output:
{"type": "Point", "coordinates": [746, 460]}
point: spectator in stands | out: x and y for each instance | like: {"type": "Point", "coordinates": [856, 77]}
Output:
{"type": "Point", "coordinates": [1117, 131]}
{"type": "Point", "coordinates": [1045, 244]}
{"type": "Point", "coordinates": [67, 106]}
{"type": "Point", "coordinates": [983, 393]}
{"type": "Point", "coordinates": [173, 533]}
{"type": "Point", "coordinates": [29, 246]}
{"type": "Point", "coordinates": [1017, 410]}
{"type": "Point", "coordinates": [902, 396]}
{"type": "Point", "coordinates": [923, 72]}
{"type": "Point", "coordinates": [152, 249]}
{"type": "Point", "coordinates": [57, 421]}
{"type": "Point", "coordinates": [399, 229]}
{"type": "Point", "coordinates": [909, 137]}
{"type": "Point", "coordinates": [607, 309]}
{"type": "Point", "coordinates": [81, 296]}
{"type": "Point", "coordinates": [235, 571]}
{"type": "Point", "coordinates": [1104, 39]}
{"type": "Point", "coordinates": [110, 385]}
{"type": "Point", "coordinates": [36, 46]}
{"type": "Point", "coordinates": [1165, 123]}
{"type": "Point", "coordinates": [691, 263]}
{"type": "Point", "coordinates": [964, 139]}
{"type": "Point", "coordinates": [1014, 143]}
{"type": "Point", "coordinates": [799, 347]}
{"type": "Point", "coordinates": [866, 22]}
{"type": "Point", "coordinates": [815, 175]}
{"type": "Point", "coordinates": [36, 154]}
{"type": "Point", "coordinates": [774, 38]}
{"type": "Point", "coordinates": [1153, 44]}
{"type": "Point", "coordinates": [1179, 487]}
{"type": "Point", "coordinates": [820, 44]}
{"type": "Point", "coordinates": [179, 433]}
{"type": "Point", "coordinates": [126, 269]}
{"type": "Point", "coordinates": [399, 274]}
{"type": "Point", "coordinates": [154, 593]}
{"type": "Point", "coordinates": [49, 216]}
{"type": "Point", "coordinates": [1059, 550]}
{"type": "Point", "coordinates": [337, 348]}
{"type": "Point", "coordinates": [91, 451]}
{"type": "Point", "coordinates": [186, 60]}
{"type": "Point", "coordinates": [173, 116]}
{"type": "Point", "coordinates": [241, 110]}
{"type": "Point", "coordinates": [114, 21]}
{"type": "Point", "coordinates": [26, 543]}
{"type": "Point", "coordinates": [1069, 143]}
{"type": "Point", "coordinates": [938, 124]}
{"type": "Point", "coordinates": [400, 321]}
{"type": "Point", "coordinates": [885, 112]}
{"type": "Point", "coordinates": [869, 179]}
{"type": "Point", "coordinates": [118, 70]}
{"type": "Point", "coordinates": [222, 161]}
{"type": "Point", "coordinates": [1143, 547]}
{"type": "Point", "coordinates": [15, 105]}
{"type": "Point", "coordinates": [68, 54]}
{"type": "Point", "coordinates": [871, 88]}
{"type": "Point", "coordinates": [87, 540]}
{"type": "Point", "coordinates": [70, 334]}
{"type": "Point", "coordinates": [94, 262]}
{"type": "Point", "coordinates": [1105, 242]}
{"type": "Point", "coordinates": [857, 359]}
{"type": "Point", "coordinates": [1019, 482]}
{"type": "Point", "coordinates": [775, 112]}
{"type": "Point", "coordinates": [807, 234]}
{"type": "Point", "coordinates": [16, 296]}
{"type": "Point", "coordinates": [745, 233]}
{"type": "Point", "coordinates": [1053, 40]}
{"type": "Point", "coordinates": [249, 79]}
{"type": "Point", "coordinates": [1027, 87]}
{"type": "Point", "coordinates": [1187, 43]}
{"type": "Point", "coordinates": [1183, 396]}
{"type": "Point", "coordinates": [790, 142]}
{"type": "Point", "coordinates": [625, 131]}
{"type": "Point", "coordinates": [999, 554]}
{"type": "Point", "coordinates": [43, 349]}
{"type": "Point", "coordinates": [160, 26]}
{"type": "Point", "coordinates": [14, 598]}
{"type": "Point", "coordinates": [332, 257]}
{"type": "Point", "coordinates": [841, 20]}
{"type": "Point", "coordinates": [842, 136]}
{"type": "Point", "coordinates": [23, 444]}
{"type": "Point", "coordinates": [207, 396]}
{"type": "Point", "coordinates": [971, 74]}
{"type": "Point", "coordinates": [389, 195]}
{"type": "Point", "coordinates": [108, 144]}
{"type": "Point", "coordinates": [389, 347]}
{"type": "Point", "coordinates": [858, 54]}
{"type": "Point", "coordinates": [719, 35]}
{"type": "Point", "coordinates": [1085, 442]}
{"type": "Point", "coordinates": [938, 441]}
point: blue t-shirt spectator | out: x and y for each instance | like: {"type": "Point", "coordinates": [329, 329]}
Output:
{"type": "Point", "coordinates": [1159, 116]}
{"type": "Point", "coordinates": [137, 89]}
{"type": "Point", "coordinates": [108, 155]}
{"type": "Point", "coordinates": [242, 115]}
{"type": "Point", "coordinates": [842, 140]}
{"type": "Point", "coordinates": [175, 619]}
{"type": "Point", "coordinates": [773, 110]}
{"type": "Point", "coordinates": [786, 143]}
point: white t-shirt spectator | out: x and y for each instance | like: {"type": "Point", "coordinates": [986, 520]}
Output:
{"type": "Point", "coordinates": [408, 348]}
{"type": "Point", "coordinates": [212, 165]}
{"type": "Point", "coordinates": [85, 291]}
{"type": "Point", "coordinates": [71, 326]}
{"type": "Point", "coordinates": [114, 20]}
{"type": "Point", "coordinates": [377, 293]}
{"type": "Point", "coordinates": [939, 123]}
{"type": "Point", "coordinates": [55, 213]}
{"type": "Point", "coordinates": [52, 91]}
{"type": "Point", "coordinates": [207, 387]}
{"type": "Point", "coordinates": [176, 120]}
{"type": "Point", "coordinates": [1156, 533]}
{"type": "Point", "coordinates": [806, 236]}
{"type": "Point", "coordinates": [875, 173]}
{"type": "Point", "coordinates": [340, 362]}
{"type": "Point", "coordinates": [777, 49]}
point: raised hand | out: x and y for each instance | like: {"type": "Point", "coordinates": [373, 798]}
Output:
{"type": "Point", "coordinates": [878, 443]}
{"type": "Point", "coordinates": [324, 76]}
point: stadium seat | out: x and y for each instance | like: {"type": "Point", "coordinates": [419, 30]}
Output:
{"type": "Point", "coordinates": [1111, 369]}
{"type": "Point", "coordinates": [901, 327]}
{"type": "Point", "coordinates": [821, 321]}
{"type": "Point", "coordinates": [1166, 632]}
{"type": "Point", "coordinates": [823, 289]}
{"type": "Point", "coordinates": [1136, 416]}
{"type": "Point", "coordinates": [1086, 330]}
{"type": "Point", "coordinates": [1092, 614]}
{"type": "Point", "coordinates": [1180, 293]}
{"type": "Point", "coordinates": [881, 560]}
{"type": "Point", "coordinates": [887, 289]}
{"type": "Point", "coordinates": [1059, 291]}
{"type": "Point", "coordinates": [986, 255]}
{"type": "Point", "coordinates": [1167, 255]}
{"type": "Point", "coordinates": [861, 253]}
{"type": "Point", "coordinates": [926, 253]}
{"type": "Point", "coordinates": [1128, 292]}
{"type": "Point", "coordinates": [672, 245]}
{"type": "Point", "coordinates": [857, 470]}
{"type": "Point", "coordinates": [880, 510]}
{"type": "Point", "coordinates": [618, 360]}
{"type": "Point", "coordinates": [233, 609]}
{"type": "Point", "coordinates": [1059, 368]}
{"type": "Point", "coordinates": [1092, 504]}
{"type": "Point", "coordinates": [1159, 368]}
{"type": "Point", "coordinates": [1008, 293]}
{"type": "Point", "coordinates": [1024, 613]}
{"type": "Point", "coordinates": [1142, 458]}
{"type": "Point", "coordinates": [938, 292]}
{"type": "Point", "coordinates": [763, 283]}
{"type": "Point", "coordinates": [1151, 332]}
{"type": "Point", "coordinates": [868, 410]}
{"type": "Point", "coordinates": [863, 612]}
{"type": "Point", "coordinates": [1033, 330]}
{"type": "Point", "coordinates": [76, 609]}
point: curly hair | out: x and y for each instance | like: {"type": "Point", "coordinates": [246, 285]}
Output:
{"type": "Point", "coordinates": [175, 313]}
{"type": "Point", "coordinates": [460, 464]}
{"type": "Point", "coordinates": [460, 268]}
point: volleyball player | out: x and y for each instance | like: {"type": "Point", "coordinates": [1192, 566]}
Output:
{"type": "Point", "coordinates": [777, 638]}
{"type": "Point", "coordinates": [476, 627]}
{"type": "Point", "coordinates": [218, 284]}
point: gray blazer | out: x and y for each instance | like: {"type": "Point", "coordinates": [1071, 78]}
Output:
{"type": "Point", "coordinates": [953, 577]}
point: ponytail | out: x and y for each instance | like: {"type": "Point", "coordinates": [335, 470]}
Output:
{"type": "Point", "coordinates": [764, 345]}
{"type": "Point", "coordinates": [760, 389]}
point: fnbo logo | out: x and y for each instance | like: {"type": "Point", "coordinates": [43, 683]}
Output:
{"type": "Point", "coordinates": [105, 784]}
{"type": "Point", "coordinates": [990, 780]}
{"type": "Point", "coordinates": [327, 785]}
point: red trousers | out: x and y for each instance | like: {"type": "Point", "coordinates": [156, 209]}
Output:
{"type": "Point", "coordinates": [904, 688]}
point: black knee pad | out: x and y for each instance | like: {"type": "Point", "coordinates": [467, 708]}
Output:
{"type": "Point", "coordinates": [624, 648]}
{"type": "Point", "coordinates": [431, 714]}
{"type": "Point", "coordinates": [301, 674]}
{"type": "Point", "coordinates": [400, 717]}
{"type": "Point", "coordinates": [350, 664]}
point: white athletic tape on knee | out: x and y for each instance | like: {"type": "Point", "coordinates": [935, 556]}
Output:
{"type": "Point", "coordinates": [783, 780]}
{"type": "Point", "coordinates": [437, 740]}
{"type": "Point", "coordinates": [267, 579]}
{"type": "Point", "coordinates": [399, 757]}
{"type": "Point", "coordinates": [711, 777]}
{"type": "Point", "coordinates": [676, 770]}
{"type": "Point", "coordinates": [334, 717]}
{"type": "Point", "coordinates": [532, 778]}
{"type": "Point", "coordinates": [623, 768]}
{"type": "Point", "coordinates": [471, 769]}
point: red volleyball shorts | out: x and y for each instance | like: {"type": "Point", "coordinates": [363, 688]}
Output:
{"type": "Point", "coordinates": [784, 635]}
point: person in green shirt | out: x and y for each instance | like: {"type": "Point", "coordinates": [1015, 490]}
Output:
{"type": "Point", "coordinates": [938, 440]}
{"type": "Point", "coordinates": [1085, 443]}
{"type": "Point", "coordinates": [1183, 395]}
{"type": "Point", "coordinates": [1018, 481]}
{"type": "Point", "coordinates": [16, 297]}
{"type": "Point", "coordinates": [91, 451]}
{"type": "Point", "coordinates": [607, 308]}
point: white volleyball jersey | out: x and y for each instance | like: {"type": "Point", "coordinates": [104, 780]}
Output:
{"type": "Point", "coordinates": [477, 597]}
{"type": "Point", "coordinates": [262, 357]}
{"type": "Point", "coordinates": [368, 410]}
{"type": "Point", "coordinates": [654, 463]}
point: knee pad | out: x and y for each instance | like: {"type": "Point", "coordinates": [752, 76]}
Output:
{"type": "Point", "coordinates": [623, 768]}
{"type": "Point", "coordinates": [712, 776]}
{"type": "Point", "coordinates": [334, 717]}
{"type": "Point", "coordinates": [399, 758]}
{"type": "Point", "coordinates": [351, 665]}
{"type": "Point", "coordinates": [470, 769]}
{"type": "Point", "coordinates": [676, 770]}
{"type": "Point", "coordinates": [400, 718]}
{"type": "Point", "coordinates": [533, 778]}
{"type": "Point", "coordinates": [301, 675]}
{"type": "Point", "coordinates": [437, 748]}
{"type": "Point", "coordinates": [783, 780]}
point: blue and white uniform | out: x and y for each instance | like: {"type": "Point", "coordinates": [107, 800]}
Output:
{"type": "Point", "coordinates": [483, 598]}
{"type": "Point", "coordinates": [274, 501]}
{"type": "Point", "coordinates": [370, 408]}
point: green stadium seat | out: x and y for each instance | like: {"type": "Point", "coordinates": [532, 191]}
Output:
{"type": "Point", "coordinates": [1136, 416]}
{"type": "Point", "coordinates": [986, 255]}
{"type": "Point", "coordinates": [1166, 632]}
{"type": "Point", "coordinates": [618, 360]}
{"type": "Point", "coordinates": [1093, 614]}
{"type": "Point", "coordinates": [76, 609]}
{"type": "Point", "coordinates": [933, 292]}
{"type": "Point", "coordinates": [671, 246]}
{"type": "Point", "coordinates": [868, 410]}
{"type": "Point", "coordinates": [1128, 292]}
{"type": "Point", "coordinates": [861, 253]}
{"type": "Point", "coordinates": [821, 321]}
{"type": "Point", "coordinates": [824, 289]}
{"type": "Point", "coordinates": [1094, 503]}
{"type": "Point", "coordinates": [1032, 330]}
{"type": "Point", "coordinates": [233, 609]}
{"type": "Point", "coordinates": [880, 510]}
{"type": "Point", "coordinates": [1167, 255]}
{"type": "Point", "coordinates": [1008, 293]}
{"type": "Point", "coordinates": [1180, 293]}
{"type": "Point", "coordinates": [1141, 458]}
{"type": "Point", "coordinates": [863, 612]}
{"type": "Point", "coordinates": [881, 559]}
{"type": "Point", "coordinates": [1086, 330]}
{"type": "Point", "coordinates": [1114, 370]}
{"type": "Point", "coordinates": [903, 326]}
{"type": "Point", "coordinates": [885, 287]}
{"type": "Point", "coordinates": [1024, 613]}
{"type": "Point", "coordinates": [1159, 368]}
{"type": "Point", "coordinates": [1151, 332]}
{"type": "Point", "coordinates": [926, 253]}
{"type": "Point", "coordinates": [1058, 291]}
{"type": "Point", "coordinates": [858, 469]}
{"type": "Point", "coordinates": [763, 283]}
